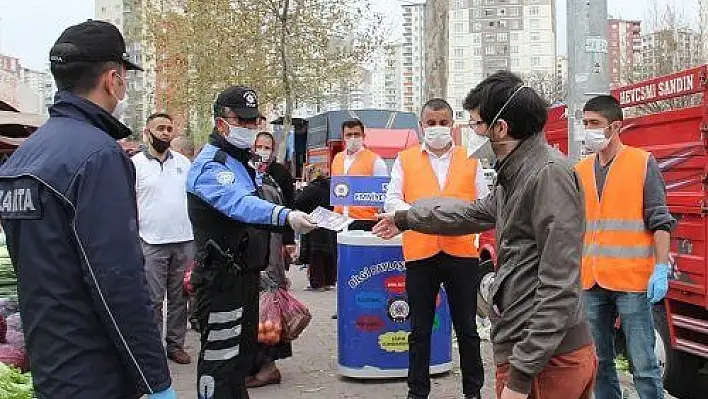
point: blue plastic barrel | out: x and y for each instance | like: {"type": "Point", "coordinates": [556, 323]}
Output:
{"type": "Point", "coordinates": [373, 312]}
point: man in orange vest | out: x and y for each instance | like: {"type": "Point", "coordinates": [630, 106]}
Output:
{"type": "Point", "coordinates": [438, 168]}
{"type": "Point", "coordinates": [356, 160]}
{"type": "Point", "coordinates": [626, 252]}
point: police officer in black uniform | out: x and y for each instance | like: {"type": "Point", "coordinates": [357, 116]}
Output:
{"type": "Point", "coordinates": [231, 225]}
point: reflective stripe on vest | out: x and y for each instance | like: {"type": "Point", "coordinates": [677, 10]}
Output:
{"type": "Point", "coordinates": [419, 182]}
{"type": "Point", "coordinates": [363, 165]}
{"type": "Point", "coordinates": [619, 251]}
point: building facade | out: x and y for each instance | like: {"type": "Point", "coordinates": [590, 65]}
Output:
{"type": "Point", "coordinates": [624, 46]}
{"type": "Point", "coordinates": [386, 81]}
{"type": "Point", "coordinates": [669, 50]}
{"type": "Point", "coordinates": [413, 57]}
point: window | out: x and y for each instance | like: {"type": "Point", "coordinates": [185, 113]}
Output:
{"type": "Point", "coordinates": [515, 63]}
{"type": "Point", "coordinates": [535, 61]}
{"type": "Point", "coordinates": [459, 52]}
{"type": "Point", "coordinates": [459, 28]}
{"type": "Point", "coordinates": [533, 10]}
{"type": "Point", "coordinates": [502, 37]}
{"type": "Point", "coordinates": [514, 49]}
{"type": "Point", "coordinates": [488, 12]}
{"type": "Point", "coordinates": [476, 39]}
{"type": "Point", "coordinates": [489, 37]}
{"type": "Point", "coordinates": [514, 36]}
{"type": "Point", "coordinates": [477, 51]}
{"type": "Point", "coordinates": [501, 12]}
{"type": "Point", "coordinates": [476, 27]}
{"type": "Point", "coordinates": [476, 13]}
{"type": "Point", "coordinates": [535, 36]}
{"type": "Point", "coordinates": [459, 65]}
{"type": "Point", "coordinates": [514, 12]}
{"type": "Point", "coordinates": [535, 24]}
{"type": "Point", "coordinates": [489, 50]}
{"type": "Point", "coordinates": [515, 24]}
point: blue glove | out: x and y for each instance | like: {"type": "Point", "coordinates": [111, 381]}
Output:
{"type": "Point", "coordinates": [658, 283]}
{"type": "Point", "coordinates": [169, 393]}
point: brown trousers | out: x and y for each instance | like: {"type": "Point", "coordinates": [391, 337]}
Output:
{"type": "Point", "coordinates": [568, 376]}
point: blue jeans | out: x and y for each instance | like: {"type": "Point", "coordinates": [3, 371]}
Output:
{"type": "Point", "coordinates": [603, 307]}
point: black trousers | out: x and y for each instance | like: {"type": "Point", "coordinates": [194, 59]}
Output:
{"type": "Point", "coordinates": [227, 312]}
{"type": "Point", "coordinates": [323, 269]}
{"type": "Point", "coordinates": [423, 279]}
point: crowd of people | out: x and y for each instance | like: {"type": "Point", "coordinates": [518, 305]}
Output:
{"type": "Point", "coordinates": [101, 241]}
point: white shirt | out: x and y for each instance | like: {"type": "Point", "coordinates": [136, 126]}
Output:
{"type": "Point", "coordinates": [162, 198]}
{"type": "Point", "coordinates": [380, 168]}
{"type": "Point", "coordinates": [441, 165]}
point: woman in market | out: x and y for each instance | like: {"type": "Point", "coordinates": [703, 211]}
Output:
{"type": "Point", "coordinates": [319, 247]}
{"type": "Point", "coordinates": [264, 371]}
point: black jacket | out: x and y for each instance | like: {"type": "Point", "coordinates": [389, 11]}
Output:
{"type": "Point", "coordinates": [285, 181]}
{"type": "Point", "coordinates": [70, 216]}
{"type": "Point", "coordinates": [320, 240]}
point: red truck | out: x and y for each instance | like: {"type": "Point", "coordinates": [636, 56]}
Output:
{"type": "Point", "coordinates": [678, 138]}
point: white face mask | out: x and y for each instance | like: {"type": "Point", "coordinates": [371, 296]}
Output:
{"type": "Point", "coordinates": [264, 154]}
{"type": "Point", "coordinates": [122, 104]}
{"type": "Point", "coordinates": [595, 140]}
{"type": "Point", "coordinates": [480, 147]}
{"type": "Point", "coordinates": [437, 137]}
{"type": "Point", "coordinates": [354, 144]}
{"type": "Point", "coordinates": [242, 137]}
{"type": "Point", "coordinates": [121, 107]}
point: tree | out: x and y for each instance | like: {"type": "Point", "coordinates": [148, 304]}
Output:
{"type": "Point", "coordinates": [672, 46]}
{"type": "Point", "coordinates": [288, 50]}
{"type": "Point", "coordinates": [550, 86]}
{"type": "Point", "coordinates": [437, 28]}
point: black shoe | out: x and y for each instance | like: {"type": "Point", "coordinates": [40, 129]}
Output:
{"type": "Point", "coordinates": [334, 316]}
{"type": "Point", "coordinates": [475, 396]}
{"type": "Point", "coordinates": [411, 396]}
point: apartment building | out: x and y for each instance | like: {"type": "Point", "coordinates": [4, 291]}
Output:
{"type": "Point", "coordinates": [669, 50]}
{"type": "Point", "coordinates": [386, 80]}
{"type": "Point", "coordinates": [413, 57]}
{"type": "Point", "coordinates": [624, 46]}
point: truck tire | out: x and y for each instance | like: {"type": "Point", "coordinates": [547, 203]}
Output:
{"type": "Point", "coordinates": [485, 277]}
{"type": "Point", "coordinates": [679, 370]}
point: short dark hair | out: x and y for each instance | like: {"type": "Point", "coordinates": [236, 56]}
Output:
{"type": "Point", "coordinates": [526, 113]}
{"type": "Point", "coordinates": [221, 111]}
{"type": "Point", "coordinates": [606, 106]}
{"type": "Point", "coordinates": [159, 115]}
{"type": "Point", "coordinates": [353, 123]}
{"type": "Point", "coordinates": [80, 77]}
{"type": "Point", "coordinates": [437, 104]}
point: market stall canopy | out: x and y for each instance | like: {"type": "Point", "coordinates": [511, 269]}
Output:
{"type": "Point", "coordinates": [388, 142]}
{"type": "Point", "coordinates": [22, 119]}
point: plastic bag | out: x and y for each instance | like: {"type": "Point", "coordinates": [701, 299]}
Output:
{"type": "Point", "coordinates": [296, 316]}
{"type": "Point", "coordinates": [270, 319]}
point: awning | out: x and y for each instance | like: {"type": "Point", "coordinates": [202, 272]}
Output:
{"type": "Point", "coordinates": [389, 142]}
{"type": "Point", "coordinates": [21, 118]}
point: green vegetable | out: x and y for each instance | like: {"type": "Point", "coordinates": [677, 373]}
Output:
{"type": "Point", "coordinates": [14, 384]}
{"type": "Point", "coordinates": [622, 364]}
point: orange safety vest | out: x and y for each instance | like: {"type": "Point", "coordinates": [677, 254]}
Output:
{"type": "Point", "coordinates": [618, 251]}
{"type": "Point", "coordinates": [363, 166]}
{"type": "Point", "coordinates": [419, 182]}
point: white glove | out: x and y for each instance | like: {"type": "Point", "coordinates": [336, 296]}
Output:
{"type": "Point", "coordinates": [301, 222]}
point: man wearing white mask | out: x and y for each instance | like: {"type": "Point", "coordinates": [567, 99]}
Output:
{"type": "Point", "coordinates": [439, 168]}
{"type": "Point", "coordinates": [625, 268]}
{"type": "Point", "coordinates": [232, 224]}
{"type": "Point", "coordinates": [356, 160]}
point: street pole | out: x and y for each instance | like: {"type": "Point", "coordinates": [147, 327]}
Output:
{"type": "Point", "coordinates": [588, 69]}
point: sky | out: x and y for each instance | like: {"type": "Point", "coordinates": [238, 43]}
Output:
{"type": "Point", "coordinates": [28, 28]}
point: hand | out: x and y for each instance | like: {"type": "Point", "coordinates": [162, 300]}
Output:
{"type": "Point", "coordinates": [169, 393]}
{"type": "Point", "coordinates": [658, 283]}
{"type": "Point", "coordinates": [509, 394]}
{"type": "Point", "coordinates": [386, 227]}
{"type": "Point", "coordinates": [301, 222]}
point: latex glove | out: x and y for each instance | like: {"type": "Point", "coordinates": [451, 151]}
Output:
{"type": "Point", "coordinates": [658, 283]}
{"type": "Point", "coordinates": [169, 393]}
{"type": "Point", "coordinates": [301, 222]}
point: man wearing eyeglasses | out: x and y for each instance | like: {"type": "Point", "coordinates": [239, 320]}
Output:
{"type": "Point", "coordinates": [439, 168]}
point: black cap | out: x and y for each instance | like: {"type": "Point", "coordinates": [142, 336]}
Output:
{"type": "Point", "coordinates": [242, 100]}
{"type": "Point", "coordinates": [91, 41]}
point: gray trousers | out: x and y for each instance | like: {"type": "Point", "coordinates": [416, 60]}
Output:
{"type": "Point", "coordinates": [164, 266]}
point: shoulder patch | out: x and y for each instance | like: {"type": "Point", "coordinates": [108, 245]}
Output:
{"type": "Point", "coordinates": [225, 178]}
{"type": "Point", "coordinates": [19, 199]}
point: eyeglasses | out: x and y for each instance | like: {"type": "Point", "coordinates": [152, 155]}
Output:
{"type": "Point", "coordinates": [474, 124]}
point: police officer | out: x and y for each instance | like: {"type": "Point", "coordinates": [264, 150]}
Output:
{"type": "Point", "coordinates": [231, 224]}
{"type": "Point", "coordinates": [70, 215]}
